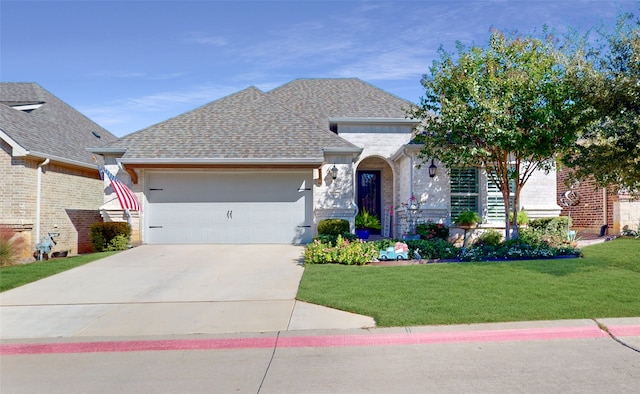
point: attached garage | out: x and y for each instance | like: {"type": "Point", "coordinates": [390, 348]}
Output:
{"type": "Point", "coordinates": [228, 207]}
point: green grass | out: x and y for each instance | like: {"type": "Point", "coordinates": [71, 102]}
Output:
{"type": "Point", "coordinates": [604, 283]}
{"type": "Point", "coordinates": [18, 275]}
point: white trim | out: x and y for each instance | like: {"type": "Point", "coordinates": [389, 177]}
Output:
{"type": "Point", "coordinates": [260, 161]}
{"type": "Point", "coordinates": [362, 121]}
{"type": "Point", "coordinates": [16, 149]}
{"type": "Point", "coordinates": [27, 107]}
{"type": "Point", "coordinates": [102, 151]}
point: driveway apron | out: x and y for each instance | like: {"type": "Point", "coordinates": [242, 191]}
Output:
{"type": "Point", "coordinates": [168, 290]}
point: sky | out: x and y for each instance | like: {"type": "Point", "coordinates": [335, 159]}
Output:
{"type": "Point", "coordinates": [130, 64]}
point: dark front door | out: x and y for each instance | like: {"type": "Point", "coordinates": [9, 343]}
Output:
{"type": "Point", "coordinates": [369, 197]}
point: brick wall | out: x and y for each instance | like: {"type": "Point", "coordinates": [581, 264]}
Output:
{"type": "Point", "coordinates": [588, 215]}
{"type": "Point", "coordinates": [70, 198]}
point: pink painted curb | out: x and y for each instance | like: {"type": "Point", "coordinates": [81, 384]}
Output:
{"type": "Point", "coordinates": [621, 331]}
{"type": "Point", "coordinates": [536, 334]}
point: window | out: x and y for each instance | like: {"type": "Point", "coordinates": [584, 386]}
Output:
{"type": "Point", "coordinates": [464, 191]}
{"type": "Point", "coordinates": [495, 202]}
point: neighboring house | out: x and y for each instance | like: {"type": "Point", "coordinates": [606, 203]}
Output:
{"type": "Point", "coordinates": [599, 211]}
{"type": "Point", "coordinates": [266, 167]}
{"type": "Point", "coordinates": [49, 181]}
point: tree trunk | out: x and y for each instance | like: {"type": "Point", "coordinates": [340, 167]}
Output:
{"type": "Point", "coordinates": [507, 209]}
{"type": "Point", "coordinates": [516, 200]}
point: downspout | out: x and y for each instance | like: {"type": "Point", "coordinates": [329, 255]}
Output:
{"type": "Point", "coordinates": [404, 152]}
{"type": "Point", "coordinates": [604, 212]}
{"type": "Point", "coordinates": [39, 197]}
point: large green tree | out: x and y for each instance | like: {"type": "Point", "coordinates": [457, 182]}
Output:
{"type": "Point", "coordinates": [606, 72]}
{"type": "Point", "coordinates": [505, 107]}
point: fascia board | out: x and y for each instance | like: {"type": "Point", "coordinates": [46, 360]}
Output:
{"type": "Point", "coordinates": [16, 148]}
{"type": "Point", "coordinates": [108, 151]}
{"type": "Point", "coordinates": [223, 161]}
{"type": "Point", "coordinates": [63, 160]}
{"type": "Point", "coordinates": [343, 151]}
{"type": "Point", "coordinates": [407, 148]}
{"type": "Point", "coordinates": [346, 120]}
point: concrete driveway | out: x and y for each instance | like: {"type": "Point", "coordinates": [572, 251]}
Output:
{"type": "Point", "coordinates": [171, 290]}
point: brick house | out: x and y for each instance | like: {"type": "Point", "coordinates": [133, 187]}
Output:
{"type": "Point", "coordinates": [49, 182]}
{"type": "Point", "coordinates": [266, 167]}
{"type": "Point", "coordinates": [599, 207]}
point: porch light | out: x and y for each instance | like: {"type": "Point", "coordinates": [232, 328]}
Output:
{"type": "Point", "coordinates": [334, 172]}
{"type": "Point", "coordinates": [432, 169]}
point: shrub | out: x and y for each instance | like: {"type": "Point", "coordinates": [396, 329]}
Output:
{"type": "Point", "coordinates": [516, 249]}
{"type": "Point", "coordinates": [489, 237]}
{"type": "Point", "coordinates": [432, 230]}
{"type": "Point", "coordinates": [119, 242]}
{"type": "Point", "coordinates": [550, 231]}
{"type": "Point", "coordinates": [429, 249]}
{"type": "Point", "coordinates": [9, 246]}
{"type": "Point", "coordinates": [343, 252]}
{"type": "Point", "coordinates": [558, 224]}
{"type": "Point", "coordinates": [333, 227]}
{"type": "Point", "coordinates": [103, 232]}
{"type": "Point", "coordinates": [523, 217]}
{"type": "Point", "coordinates": [331, 239]}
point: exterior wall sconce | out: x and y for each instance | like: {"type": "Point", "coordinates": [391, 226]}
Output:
{"type": "Point", "coordinates": [432, 169]}
{"type": "Point", "coordinates": [334, 172]}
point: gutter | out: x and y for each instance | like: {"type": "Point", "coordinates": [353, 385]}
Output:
{"type": "Point", "coordinates": [40, 155]}
{"type": "Point", "coordinates": [363, 121]}
{"type": "Point", "coordinates": [234, 161]}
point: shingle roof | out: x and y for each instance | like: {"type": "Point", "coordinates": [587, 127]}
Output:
{"type": "Point", "coordinates": [321, 99]}
{"type": "Point", "coordinates": [247, 125]}
{"type": "Point", "coordinates": [55, 128]}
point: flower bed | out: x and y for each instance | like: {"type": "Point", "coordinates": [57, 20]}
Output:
{"type": "Point", "coordinates": [358, 252]}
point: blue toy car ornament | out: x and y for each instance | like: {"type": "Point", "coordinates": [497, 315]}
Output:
{"type": "Point", "coordinates": [399, 252]}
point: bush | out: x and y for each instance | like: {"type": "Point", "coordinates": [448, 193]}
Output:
{"type": "Point", "coordinates": [332, 239]}
{"type": "Point", "coordinates": [523, 218]}
{"type": "Point", "coordinates": [432, 230]}
{"type": "Point", "coordinates": [429, 249]}
{"type": "Point", "coordinates": [550, 231]}
{"type": "Point", "coordinates": [119, 242]}
{"type": "Point", "coordinates": [103, 232]}
{"type": "Point", "coordinates": [343, 252]}
{"type": "Point", "coordinates": [333, 227]}
{"type": "Point", "coordinates": [9, 246]}
{"type": "Point", "coordinates": [558, 224]}
{"type": "Point", "coordinates": [516, 249]}
{"type": "Point", "coordinates": [489, 237]}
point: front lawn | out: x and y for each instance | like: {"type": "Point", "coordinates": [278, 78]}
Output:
{"type": "Point", "coordinates": [18, 275]}
{"type": "Point", "coordinates": [604, 283]}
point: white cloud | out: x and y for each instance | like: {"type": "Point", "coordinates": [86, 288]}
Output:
{"type": "Point", "coordinates": [126, 115]}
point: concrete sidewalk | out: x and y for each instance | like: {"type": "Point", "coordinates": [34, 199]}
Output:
{"type": "Point", "coordinates": [171, 290]}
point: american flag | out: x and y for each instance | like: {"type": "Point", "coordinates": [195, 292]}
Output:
{"type": "Point", "coordinates": [126, 198]}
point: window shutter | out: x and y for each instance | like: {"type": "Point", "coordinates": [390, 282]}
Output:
{"type": "Point", "coordinates": [464, 191]}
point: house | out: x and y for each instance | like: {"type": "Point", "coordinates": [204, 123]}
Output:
{"type": "Point", "coordinates": [49, 181]}
{"type": "Point", "coordinates": [266, 167]}
{"type": "Point", "coordinates": [601, 211]}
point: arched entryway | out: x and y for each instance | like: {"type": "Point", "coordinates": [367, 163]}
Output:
{"type": "Point", "coordinates": [374, 190]}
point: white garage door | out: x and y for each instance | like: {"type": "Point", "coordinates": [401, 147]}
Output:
{"type": "Point", "coordinates": [229, 207]}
